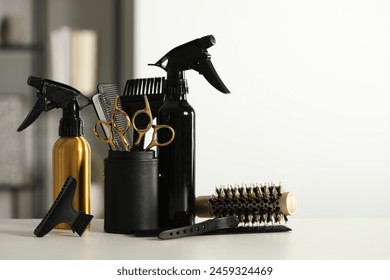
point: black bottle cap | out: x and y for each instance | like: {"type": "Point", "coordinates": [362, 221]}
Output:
{"type": "Point", "coordinates": [71, 125]}
{"type": "Point", "coordinates": [176, 87]}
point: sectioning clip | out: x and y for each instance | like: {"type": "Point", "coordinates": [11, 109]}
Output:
{"type": "Point", "coordinates": [62, 211]}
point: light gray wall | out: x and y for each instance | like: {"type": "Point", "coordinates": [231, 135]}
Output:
{"type": "Point", "coordinates": [310, 96]}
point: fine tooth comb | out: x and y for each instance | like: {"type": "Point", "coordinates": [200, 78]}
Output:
{"type": "Point", "coordinates": [103, 103]}
{"type": "Point", "coordinates": [62, 211]}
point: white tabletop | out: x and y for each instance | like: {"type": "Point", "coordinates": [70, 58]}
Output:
{"type": "Point", "coordinates": [318, 239]}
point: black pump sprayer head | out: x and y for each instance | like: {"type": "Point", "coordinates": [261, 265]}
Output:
{"type": "Point", "coordinates": [52, 95]}
{"type": "Point", "coordinates": [192, 55]}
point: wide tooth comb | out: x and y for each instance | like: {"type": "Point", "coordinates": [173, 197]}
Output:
{"type": "Point", "coordinates": [133, 100]}
{"type": "Point", "coordinates": [62, 211]}
{"type": "Point", "coordinates": [145, 86]}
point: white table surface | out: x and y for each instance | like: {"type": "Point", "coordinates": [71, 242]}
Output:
{"type": "Point", "coordinates": [318, 239]}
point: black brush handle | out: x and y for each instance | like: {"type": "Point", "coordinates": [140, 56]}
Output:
{"type": "Point", "coordinates": [200, 228]}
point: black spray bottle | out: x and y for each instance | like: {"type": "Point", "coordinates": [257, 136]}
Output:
{"type": "Point", "coordinates": [177, 160]}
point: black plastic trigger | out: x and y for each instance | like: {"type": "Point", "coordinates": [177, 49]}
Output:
{"type": "Point", "coordinates": [38, 108]}
{"type": "Point", "coordinates": [206, 68]}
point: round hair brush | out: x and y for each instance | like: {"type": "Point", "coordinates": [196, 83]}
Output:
{"type": "Point", "coordinates": [253, 204]}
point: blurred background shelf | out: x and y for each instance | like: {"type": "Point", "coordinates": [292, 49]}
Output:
{"type": "Point", "coordinates": [27, 192]}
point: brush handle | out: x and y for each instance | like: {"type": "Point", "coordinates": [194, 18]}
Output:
{"type": "Point", "coordinates": [287, 203]}
{"type": "Point", "coordinates": [201, 228]}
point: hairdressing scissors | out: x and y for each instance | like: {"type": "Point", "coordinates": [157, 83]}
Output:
{"type": "Point", "coordinates": [142, 131]}
{"type": "Point", "coordinates": [117, 127]}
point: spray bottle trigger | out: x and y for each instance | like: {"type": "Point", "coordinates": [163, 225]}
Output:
{"type": "Point", "coordinates": [206, 68]}
{"type": "Point", "coordinates": [38, 108]}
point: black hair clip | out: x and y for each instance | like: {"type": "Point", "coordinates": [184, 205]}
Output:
{"type": "Point", "coordinates": [62, 211]}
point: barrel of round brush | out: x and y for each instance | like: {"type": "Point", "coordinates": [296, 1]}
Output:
{"type": "Point", "coordinates": [264, 204]}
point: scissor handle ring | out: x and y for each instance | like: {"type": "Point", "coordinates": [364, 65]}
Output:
{"type": "Point", "coordinates": [108, 139]}
{"type": "Point", "coordinates": [139, 112]}
{"type": "Point", "coordinates": [154, 142]}
{"type": "Point", "coordinates": [114, 123]}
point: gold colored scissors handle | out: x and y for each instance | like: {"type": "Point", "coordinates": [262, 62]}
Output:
{"type": "Point", "coordinates": [116, 133]}
{"type": "Point", "coordinates": [154, 142]}
{"type": "Point", "coordinates": [142, 131]}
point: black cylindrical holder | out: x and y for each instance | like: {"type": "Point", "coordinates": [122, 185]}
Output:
{"type": "Point", "coordinates": [131, 192]}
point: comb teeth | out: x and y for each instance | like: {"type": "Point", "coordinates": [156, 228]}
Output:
{"type": "Point", "coordinates": [108, 94]}
{"type": "Point", "coordinates": [252, 205]}
{"type": "Point", "coordinates": [146, 86]}
{"type": "Point", "coordinates": [81, 222]}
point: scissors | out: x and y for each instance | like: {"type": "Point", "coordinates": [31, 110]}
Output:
{"type": "Point", "coordinates": [142, 131]}
{"type": "Point", "coordinates": [117, 127]}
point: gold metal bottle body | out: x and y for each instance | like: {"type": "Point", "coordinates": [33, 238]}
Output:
{"type": "Point", "coordinates": [72, 157]}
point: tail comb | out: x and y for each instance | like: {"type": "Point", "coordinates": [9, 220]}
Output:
{"type": "Point", "coordinates": [62, 211]}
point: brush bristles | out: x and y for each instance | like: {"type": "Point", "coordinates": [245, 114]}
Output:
{"type": "Point", "coordinates": [252, 205]}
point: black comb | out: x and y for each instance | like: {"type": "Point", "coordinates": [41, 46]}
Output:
{"type": "Point", "coordinates": [149, 86]}
{"type": "Point", "coordinates": [133, 100]}
{"type": "Point", "coordinates": [62, 211]}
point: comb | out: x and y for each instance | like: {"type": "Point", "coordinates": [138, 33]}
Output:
{"type": "Point", "coordinates": [62, 211]}
{"type": "Point", "coordinates": [144, 86]}
{"type": "Point", "coordinates": [133, 100]}
{"type": "Point", "coordinates": [103, 103]}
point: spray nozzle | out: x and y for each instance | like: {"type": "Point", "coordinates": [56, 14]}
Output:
{"type": "Point", "coordinates": [52, 94]}
{"type": "Point", "coordinates": [192, 55]}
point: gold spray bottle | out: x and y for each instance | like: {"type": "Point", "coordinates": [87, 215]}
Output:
{"type": "Point", "coordinates": [71, 152]}
{"type": "Point", "coordinates": [72, 157]}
